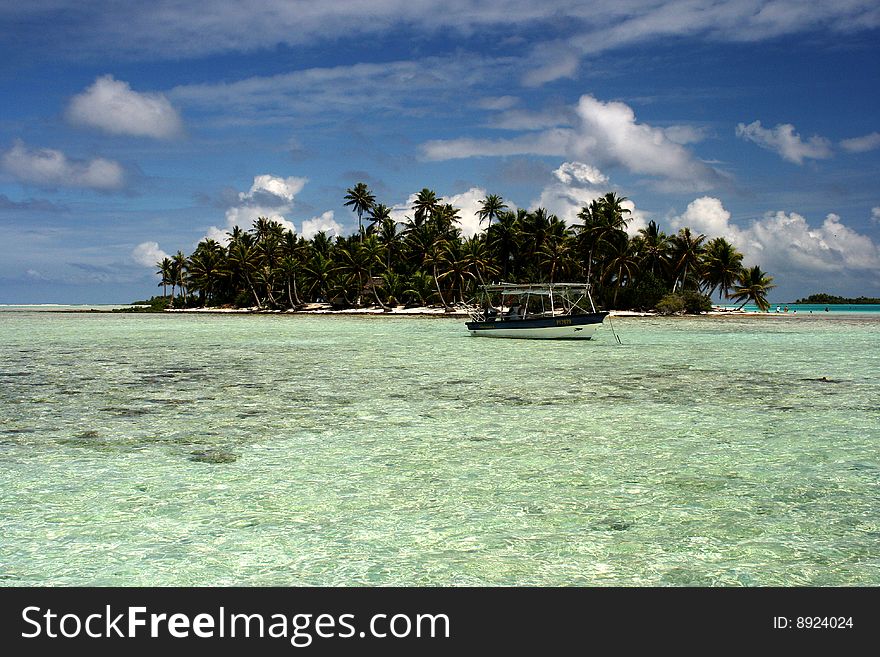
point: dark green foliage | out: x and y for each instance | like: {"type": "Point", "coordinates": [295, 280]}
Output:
{"type": "Point", "coordinates": [671, 304]}
{"type": "Point", "coordinates": [645, 294]}
{"type": "Point", "coordinates": [689, 301]}
{"type": "Point", "coordinates": [243, 300]}
{"type": "Point", "coordinates": [831, 299]}
{"type": "Point", "coordinates": [696, 303]}
{"type": "Point", "coordinates": [752, 284]}
{"type": "Point", "coordinates": [151, 305]}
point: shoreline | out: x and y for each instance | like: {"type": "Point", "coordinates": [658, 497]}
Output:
{"type": "Point", "coordinates": [427, 311]}
{"type": "Point", "coordinates": [324, 310]}
{"type": "Point", "coordinates": [421, 312]}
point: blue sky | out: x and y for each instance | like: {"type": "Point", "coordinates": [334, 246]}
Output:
{"type": "Point", "coordinates": [132, 130]}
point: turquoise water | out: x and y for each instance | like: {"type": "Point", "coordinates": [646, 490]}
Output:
{"type": "Point", "coordinates": [291, 450]}
{"type": "Point", "coordinates": [814, 308]}
{"type": "Point", "coordinates": [55, 307]}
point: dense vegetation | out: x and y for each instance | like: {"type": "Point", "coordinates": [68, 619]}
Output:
{"type": "Point", "coordinates": [830, 298]}
{"type": "Point", "coordinates": [426, 261]}
{"type": "Point", "coordinates": [151, 305]}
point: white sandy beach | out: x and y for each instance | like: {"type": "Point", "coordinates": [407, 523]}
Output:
{"type": "Point", "coordinates": [423, 311]}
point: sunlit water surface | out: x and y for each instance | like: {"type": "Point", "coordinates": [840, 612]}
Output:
{"type": "Point", "coordinates": [291, 450]}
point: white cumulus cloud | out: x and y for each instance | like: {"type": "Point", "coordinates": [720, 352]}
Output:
{"type": "Point", "coordinates": [707, 215]}
{"type": "Point", "coordinates": [784, 242]}
{"type": "Point", "coordinates": [282, 189]}
{"type": "Point", "coordinates": [606, 133]}
{"type": "Point", "coordinates": [112, 106]}
{"type": "Point", "coordinates": [324, 222]}
{"type": "Point", "coordinates": [861, 144]}
{"type": "Point", "coordinates": [148, 254]}
{"type": "Point", "coordinates": [47, 167]}
{"type": "Point", "coordinates": [569, 172]}
{"type": "Point", "coordinates": [269, 196]}
{"type": "Point", "coordinates": [468, 204]}
{"type": "Point", "coordinates": [784, 141]}
{"type": "Point", "coordinates": [577, 185]}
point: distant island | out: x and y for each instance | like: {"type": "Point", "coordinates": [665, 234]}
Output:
{"type": "Point", "coordinates": [831, 299]}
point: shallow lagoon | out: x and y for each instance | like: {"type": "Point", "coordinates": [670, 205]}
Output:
{"type": "Point", "coordinates": [299, 450]}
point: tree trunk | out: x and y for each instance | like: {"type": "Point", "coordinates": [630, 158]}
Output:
{"type": "Point", "coordinates": [375, 294]}
{"type": "Point", "coordinates": [253, 291]}
{"type": "Point", "coordinates": [296, 293]}
{"type": "Point", "coordinates": [439, 293]}
{"type": "Point", "coordinates": [589, 266]}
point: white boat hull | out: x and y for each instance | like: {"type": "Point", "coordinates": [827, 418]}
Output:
{"type": "Point", "coordinates": [584, 332]}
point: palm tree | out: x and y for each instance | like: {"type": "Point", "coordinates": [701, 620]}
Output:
{"type": "Point", "coordinates": [269, 236]}
{"type": "Point", "coordinates": [390, 239]}
{"type": "Point", "coordinates": [722, 264]}
{"type": "Point", "coordinates": [654, 249]}
{"type": "Point", "coordinates": [395, 287]}
{"type": "Point", "coordinates": [435, 257]}
{"type": "Point", "coordinates": [612, 207]}
{"type": "Point", "coordinates": [752, 284]}
{"type": "Point", "coordinates": [445, 221]}
{"type": "Point", "coordinates": [180, 264]}
{"type": "Point", "coordinates": [417, 241]}
{"type": "Point", "coordinates": [166, 272]}
{"type": "Point", "coordinates": [476, 254]}
{"type": "Point", "coordinates": [235, 234]}
{"type": "Point", "coordinates": [373, 254]}
{"type": "Point", "coordinates": [491, 208]}
{"type": "Point", "coordinates": [687, 252]}
{"type": "Point", "coordinates": [320, 269]}
{"type": "Point", "coordinates": [243, 262]}
{"type": "Point", "coordinates": [503, 240]}
{"type": "Point", "coordinates": [455, 267]}
{"type": "Point", "coordinates": [533, 232]}
{"type": "Point", "coordinates": [352, 262]}
{"type": "Point", "coordinates": [292, 265]}
{"type": "Point", "coordinates": [603, 221]}
{"type": "Point", "coordinates": [321, 244]}
{"type": "Point", "coordinates": [420, 287]}
{"type": "Point", "coordinates": [362, 199]}
{"type": "Point", "coordinates": [206, 269]}
{"type": "Point", "coordinates": [424, 206]}
{"type": "Point", "coordinates": [265, 228]}
{"type": "Point", "coordinates": [622, 264]}
{"type": "Point", "coordinates": [554, 257]}
{"type": "Point", "coordinates": [379, 214]}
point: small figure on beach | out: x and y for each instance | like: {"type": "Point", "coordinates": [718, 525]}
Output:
{"type": "Point", "coordinates": [778, 308]}
{"type": "Point", "coordinates": [785, 309]}
{"type": "Point", "coordinates": [826, 309]}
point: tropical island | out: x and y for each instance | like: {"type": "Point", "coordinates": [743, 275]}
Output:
{"type": "Point", "coordinates": [831, 299]}
{"type": "Point", "coordinates": [426, 261]}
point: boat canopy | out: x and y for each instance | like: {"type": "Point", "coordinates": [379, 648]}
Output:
{"type": "Point", "coordinates": [572, 297]}
{"type": "Point", "coordinates": [546, 289]}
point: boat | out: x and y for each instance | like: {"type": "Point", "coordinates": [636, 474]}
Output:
{"type": "Point", "coordinates": [555, 311]}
